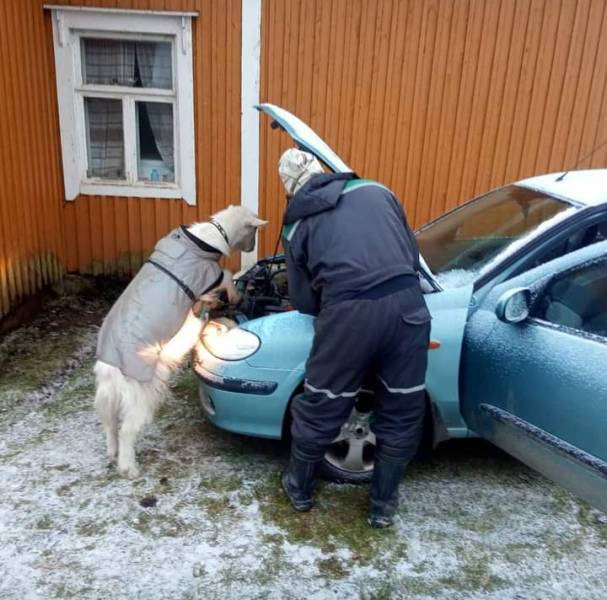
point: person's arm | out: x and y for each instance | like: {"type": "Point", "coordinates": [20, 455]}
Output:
{"type": "Point", "coordinates": [302, 295]}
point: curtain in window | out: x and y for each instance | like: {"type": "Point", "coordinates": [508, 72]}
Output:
{"type": "Point", "coordinates": [154, 63]}
{"type": "Point", "coordinates": [133, 64]}
{"type": "Point", "coordinates": [109, 62]}
{"type": "Point", "coordinates": [104, 138]}
{"type": "Point", "coordinates": [160, 115]}
{"type": "Point", "coordinates": [128, 63]}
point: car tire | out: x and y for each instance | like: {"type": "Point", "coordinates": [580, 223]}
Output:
{"type": "Point", "coordinates": [332, 473]}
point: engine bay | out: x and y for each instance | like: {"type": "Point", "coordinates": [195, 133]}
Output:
{"type": "Point", "coordinates": [265, 291]}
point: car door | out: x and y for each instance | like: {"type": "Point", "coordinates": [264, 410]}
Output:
{"type": "Point", "coordinates": [534, 376]}
{"type": "Point", "coordinates": [449, 308]}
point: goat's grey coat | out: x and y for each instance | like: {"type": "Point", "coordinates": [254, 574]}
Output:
{"type": "Point", "coordinates": [153, 307]}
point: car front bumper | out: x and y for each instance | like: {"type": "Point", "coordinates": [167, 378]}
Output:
{"type": "Point", "coordinates": [241, 398]}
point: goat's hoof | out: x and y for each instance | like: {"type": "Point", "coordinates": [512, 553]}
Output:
{"type": "Point", "coordinates": [129, 472]}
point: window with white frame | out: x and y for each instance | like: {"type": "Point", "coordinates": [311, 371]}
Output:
{"type": "Point", "coordinates": [125, 92]}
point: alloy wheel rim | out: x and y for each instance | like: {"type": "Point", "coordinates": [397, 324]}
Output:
{"type": "Point", "coordinates": [352, 449]}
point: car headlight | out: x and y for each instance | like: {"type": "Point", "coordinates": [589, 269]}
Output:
{"type": "Point", "coordinates": [224, 340]}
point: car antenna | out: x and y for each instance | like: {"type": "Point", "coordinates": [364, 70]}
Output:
{"type": "Point", "coordinates": [561, 177]}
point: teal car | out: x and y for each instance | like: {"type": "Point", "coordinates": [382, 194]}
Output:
{"type": "Point", "coordinates": [483, 267]}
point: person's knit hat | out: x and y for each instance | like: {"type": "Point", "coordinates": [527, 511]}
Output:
{"type": "Point", "coordinates": [296, 167]}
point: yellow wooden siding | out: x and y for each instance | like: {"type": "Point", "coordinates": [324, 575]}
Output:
{"type": "Point", "coordinates": [31, 239]}
{"type": "Point", "coordinates": [41, 234]}
{"type": "Point", "coordinates": [106, 234]}
{"type": "Point", "coordinates": [439, 99]}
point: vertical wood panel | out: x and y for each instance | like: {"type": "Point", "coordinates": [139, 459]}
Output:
{"type": "Point", "coordinates": [439, 99]}
{"type": "Point", "coordinates": [41, 235]}
{"type": "Point", "coordinates": [31, 240]}
{"type": "Point", "coordinates": [118, 246]}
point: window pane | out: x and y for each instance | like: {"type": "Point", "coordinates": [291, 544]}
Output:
{"type": "Point", "coordinates": [582, 237]}
{"type": "Point", "coordinates": [155, 142]}
{"type": "Point", "coordinates": [469, 238]}
{"type": "Point", "coordinates": [105, 139]}
{"type": "Point", "coordinates": [127, 63]}
{"type": "Point", "coordinates": [578, 300]}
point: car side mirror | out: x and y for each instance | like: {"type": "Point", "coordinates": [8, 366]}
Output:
{"type": "Point", "coordinates": [513, 306]}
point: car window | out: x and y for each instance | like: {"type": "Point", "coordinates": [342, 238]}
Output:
{"type": "Point", "coordinates": [459, 245]}
{"type": "Point", "coordinates": [584, 236]}
{"type": "Point", "coordinates": [577, 300]}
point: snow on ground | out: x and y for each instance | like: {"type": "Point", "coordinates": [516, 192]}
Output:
{"type": "Point", "coordinates": [207, 518]}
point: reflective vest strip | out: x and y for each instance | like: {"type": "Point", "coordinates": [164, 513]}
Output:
{"type": "Point", "coordinates": [289, 230]}
{"type": "Point", "coordinates": [355, 184]}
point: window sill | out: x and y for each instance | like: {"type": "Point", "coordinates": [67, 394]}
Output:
{"type": "Point", "coordinates": [140, 190]}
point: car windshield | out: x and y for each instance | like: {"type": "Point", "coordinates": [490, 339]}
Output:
{"type": "Point", "coordinates": [461, 245]}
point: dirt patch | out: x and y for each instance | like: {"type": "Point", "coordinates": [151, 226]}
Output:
{"type": "Point", "coordinates": [36, 358]}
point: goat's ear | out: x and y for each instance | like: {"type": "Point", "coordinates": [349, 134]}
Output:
{"type": "Point", "coordinates": [257, 222]}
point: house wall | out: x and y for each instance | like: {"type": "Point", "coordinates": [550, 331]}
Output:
{"type": "Point", "coordinates": [31, 238]}
{"type": "Point", "coordinates": [105, 234]}
{"type": "Point", "coordinates": [41, 234]}
{"type": "Point", "coordinates": [439, 99]}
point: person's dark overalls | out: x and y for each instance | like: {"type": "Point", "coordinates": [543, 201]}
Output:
{"type": "Point", "coordinates": [352, 260]}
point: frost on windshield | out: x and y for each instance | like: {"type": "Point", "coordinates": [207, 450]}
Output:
{"type": "Point", "coordinates": [523, 241]}
{"type": "Point", "coordinates": [454, 278]}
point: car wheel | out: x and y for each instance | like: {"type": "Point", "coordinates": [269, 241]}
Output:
{"type": "Point", "coordinates": [350, 457]}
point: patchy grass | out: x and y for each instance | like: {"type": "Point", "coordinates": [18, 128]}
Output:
{"type": "Point", "coordinates": [31, 355]}
{"type": "Point", "coordinates": [337, 522]}
{"type": "Point", "coordinates": [594, 521]}
{"type": "Point", "coordinates": [473, 575]}
{"type": "Point", "coordinates": [75, 397]}
{"type": "Point", "coordinates": [208, 518]}
{"type": "Point", "coordinates": [154, 525]}
{"type": "Point", "coordinates": [22, 369]}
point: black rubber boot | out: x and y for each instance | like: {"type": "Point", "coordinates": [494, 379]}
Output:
{"type": "Point", "coordinates": [299, 477]}
{"type": "Point", "coordinates": [387, 473]}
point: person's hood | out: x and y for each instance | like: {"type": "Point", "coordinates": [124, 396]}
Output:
{"type": "Point", "coordinates": [320, 193]}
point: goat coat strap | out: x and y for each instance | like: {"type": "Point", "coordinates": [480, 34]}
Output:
{"type": "Point", "coordinates": [187, 291]}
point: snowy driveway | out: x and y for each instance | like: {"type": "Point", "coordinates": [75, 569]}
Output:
{"type": "Point", "coordinates": [207, 519]}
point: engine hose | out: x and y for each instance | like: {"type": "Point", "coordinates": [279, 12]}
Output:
{"type": "Point", "coordinates": [271, 264]}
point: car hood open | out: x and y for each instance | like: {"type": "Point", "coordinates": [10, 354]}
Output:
{"type": "Point", "coordinates": [307, 139]}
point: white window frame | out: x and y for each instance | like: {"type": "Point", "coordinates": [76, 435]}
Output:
{"type": "Point", "coordinates": [70, 24]}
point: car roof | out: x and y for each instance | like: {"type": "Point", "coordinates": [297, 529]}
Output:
{"type": "Point", "coordinates": [588, 187]}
